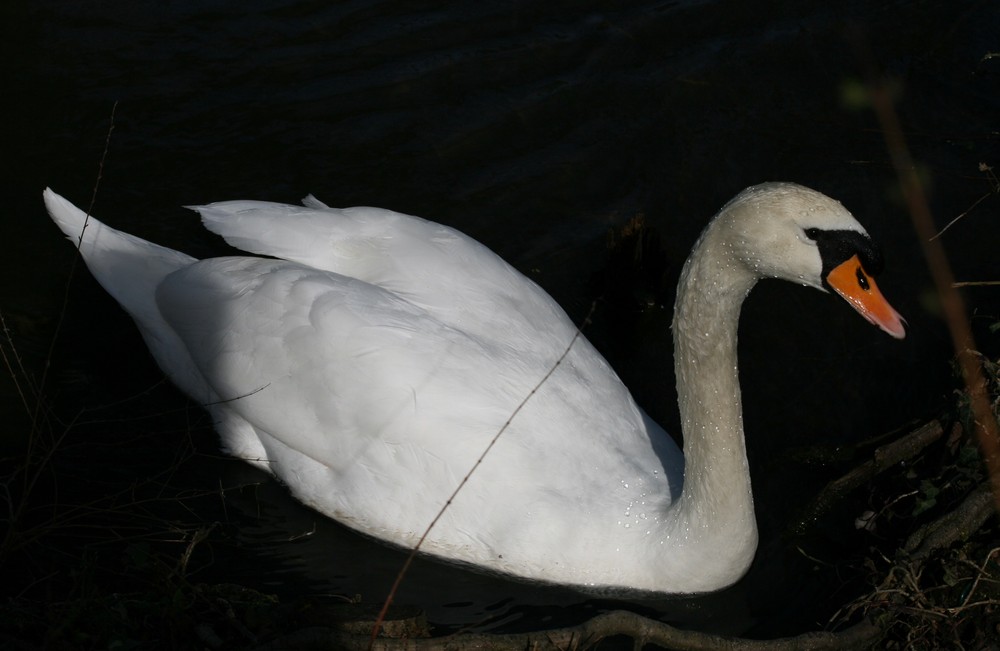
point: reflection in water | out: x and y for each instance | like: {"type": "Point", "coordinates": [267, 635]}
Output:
{"type": "Point", "coordinates": [320, 557]}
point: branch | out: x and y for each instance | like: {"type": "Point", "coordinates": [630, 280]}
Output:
{"type": "Point", "coordinates": [955, 525]}
{"type": "Point", "coordinates": [883, 458]}
{"type": "Point", "coordinates": [615, 623]}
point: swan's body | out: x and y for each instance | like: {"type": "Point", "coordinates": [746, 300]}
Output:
{"type": "Point", "coordinates": [369, 365]}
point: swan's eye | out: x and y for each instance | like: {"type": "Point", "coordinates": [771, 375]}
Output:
{"type": "Point", "coordinates": [862, 279]}
{"type": "Point", "coordinates": [812, 233]}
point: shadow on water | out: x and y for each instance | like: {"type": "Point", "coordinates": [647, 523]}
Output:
{"type": "Point", "coordinates": [535, 128]}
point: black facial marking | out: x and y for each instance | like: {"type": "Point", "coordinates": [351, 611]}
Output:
{"type": "Point", "coordinates": [837, 246]}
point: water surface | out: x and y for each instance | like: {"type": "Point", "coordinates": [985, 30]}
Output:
{"type": "Point", "coordinates": [536, 128]}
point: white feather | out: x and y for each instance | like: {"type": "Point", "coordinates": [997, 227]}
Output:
{"type": "Point", "coordinates": [372, 358]}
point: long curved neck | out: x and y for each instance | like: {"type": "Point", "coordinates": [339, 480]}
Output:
{"type": "Point", "coordinates": [716, 503]}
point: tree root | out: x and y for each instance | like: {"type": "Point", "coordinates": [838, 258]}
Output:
{"type": "Point", "coordinates": [606, 625]}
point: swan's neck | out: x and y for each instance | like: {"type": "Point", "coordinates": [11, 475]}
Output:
{"type": "Point", "coordinates": [716, 505]}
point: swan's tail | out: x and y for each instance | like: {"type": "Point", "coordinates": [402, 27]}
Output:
{"type": "Point", "coordinates": [128, 267]}
{"type": "Point", "coordinates": [131, 269]}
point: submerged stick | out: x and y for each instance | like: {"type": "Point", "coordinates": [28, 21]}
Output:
{"type": "Point", "coordinates": [883, 458]}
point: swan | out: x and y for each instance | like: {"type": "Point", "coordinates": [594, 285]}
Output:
{"type": "Point", "coordinates": [370, 358]}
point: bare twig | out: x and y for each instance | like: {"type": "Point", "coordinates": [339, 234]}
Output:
{"type": "Point", "coordinates": [975, 584]}
{"type": "Point", "coordinates": [69, 276]}
{"type": "Point", "coordinates": [963, 214]}
{"type": "Point", "coordinates": [16, 374]}
{"type": "Point", "coordinates": [900, 591]}
{"type": "Point", "coordinates": [32, 471]}
{"type": "Point", "coordinates": [953, 306]}
{"type": "Point", "coordinates": [975, 283]}
{"type": "Point", "coordinates": [200, 535]}
{"type": "Point", "coordinates": [416, 548]}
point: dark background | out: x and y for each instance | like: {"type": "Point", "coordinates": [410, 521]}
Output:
{"type": "Point", "coordinates": [537, 128]}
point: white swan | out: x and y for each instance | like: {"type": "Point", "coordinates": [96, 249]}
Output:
{"type": "Point", "coordinates": [370, 360]}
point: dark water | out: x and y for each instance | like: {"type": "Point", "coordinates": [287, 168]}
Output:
{"type": "Point", "coordinates": [536, 128]}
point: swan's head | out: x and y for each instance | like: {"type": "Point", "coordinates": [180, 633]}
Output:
{"type": "Point", "coordinates": [783, 230]}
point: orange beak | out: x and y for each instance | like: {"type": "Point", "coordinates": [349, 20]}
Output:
{"type": "Point", "coordinates": [859, 289]}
